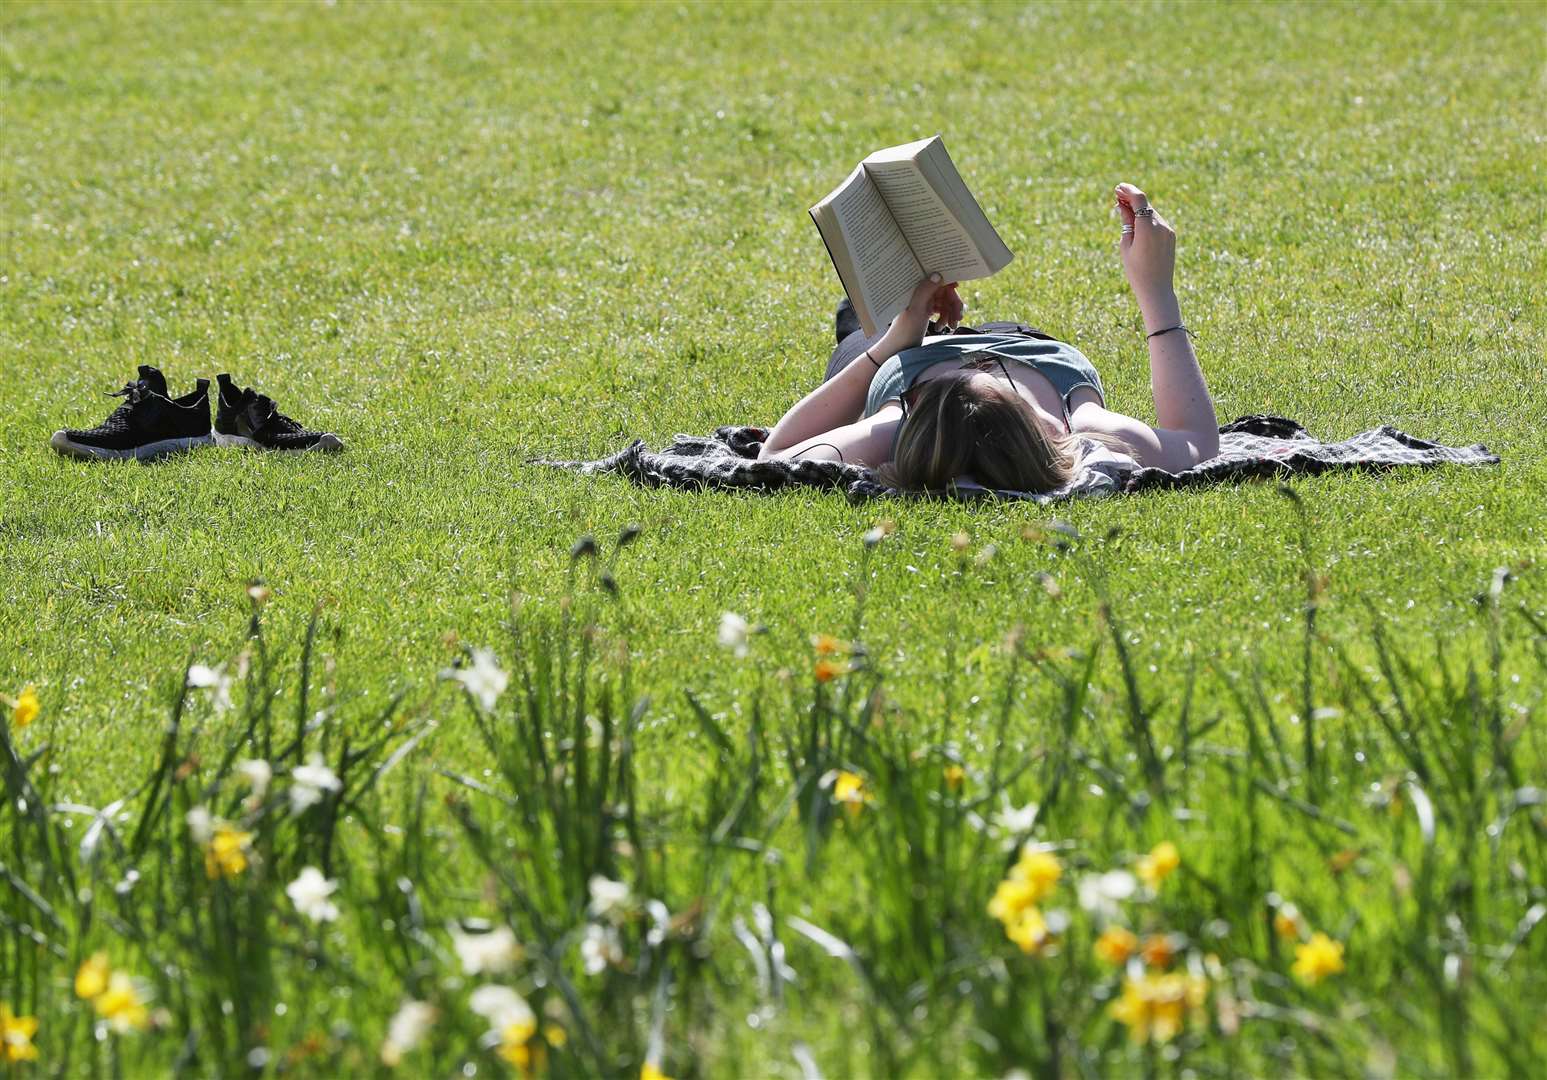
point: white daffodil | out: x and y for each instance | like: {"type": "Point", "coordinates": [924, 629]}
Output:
{"type": "Point", "coordinates": [488, 953]}
{"type": "Point", "coordinates": [407, 1029]}
{"type": "Point", "coordinates": [735, 633]}
{"type": "Point", "coordinates": [482, 678]}
{"type": "Point", "coordinates": [213, 679]}
{"type": "Point", "coordinates": [600, 948]}
{"type": "Point", "coordinates": [309, 893]}
{"type": "Point", "coordinates": [501, 1006]}
{"type": "Point", "coordinates": [1100, 894]}
{"type": "Point", "coordinates": [308, 783]}
{"type": "Point", "coordinates": [258, 773]}
{"type": "Point", "coordinates": [608, 897]}
{"type": "Point", "coordinates": [201, 825]}
{"type": "Point", "coordinates": [1013, 823]}
{"type": "Point", "coordinates": [660, 923]}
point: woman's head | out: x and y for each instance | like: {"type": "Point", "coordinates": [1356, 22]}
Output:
{"type": "Point", "coordinates": [972, 423]}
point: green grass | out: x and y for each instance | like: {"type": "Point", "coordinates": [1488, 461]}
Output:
{"type": "Point", "coordinates": [465, 235]}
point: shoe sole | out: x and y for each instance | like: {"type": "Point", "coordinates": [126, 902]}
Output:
{"type": "Point", "coordinates": [68, 447]}
{"type": "Point", "coordinates": [328, 444]}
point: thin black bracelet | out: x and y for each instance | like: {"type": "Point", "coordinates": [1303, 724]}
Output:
{"type": "Point", "coordinates": [1168, 329]}
{"type": "Point", "coordinates": [873, 360]}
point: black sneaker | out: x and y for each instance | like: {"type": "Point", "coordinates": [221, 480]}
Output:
{"type": "Point", "coordinates": [149, 424]}
{"type": "Point", "coordinates": [249, 419]}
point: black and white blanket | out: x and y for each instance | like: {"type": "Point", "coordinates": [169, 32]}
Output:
{"type": "Point", "coordinates": [1252, 447]}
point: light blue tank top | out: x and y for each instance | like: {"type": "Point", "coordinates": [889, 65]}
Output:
{"type": "Point", "coordinates": [1061, 363]}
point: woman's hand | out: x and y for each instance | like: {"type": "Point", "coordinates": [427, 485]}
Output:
{"type": "Point", "coordinates": [1148, 247]}
{"type": "Point", "coordinates": [932, 300]}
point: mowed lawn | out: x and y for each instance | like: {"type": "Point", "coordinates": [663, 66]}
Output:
{"type": "Point", "coordinates": [463, 236]}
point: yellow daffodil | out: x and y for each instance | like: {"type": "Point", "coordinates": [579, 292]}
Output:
{"type": "Point", "coordinates": [1116, 944]}
{"type": "Point", "coordinates": [518, 1047]}
{"type": "Point", "coordinates": [827, 670]}
{"type": "Point", "coordinates": [1317, 958]}
{"type": "Point", "coordinates": [1158, 951]}
{"type": "Point", "coordinates": [849, 790]}
{"type": "Point", "coordinates": [226, 853]}
{"type": "Point", "coordinates": [652, 1071]}
{"type": "Point", "coordinates": [16, 1034]}
{"type": "Point", "coordinates": [92, 977]}
{"type": "Point", "coordinates": [1159, 864]}
{"type": "Point", "coordinates": [25, 709]}
{"type": "Point", "coordinates": [1287, 923]}
{"type": "Point", "coordinates": [1154, 1007]}
{"type": "Point", "coordinates": [1028, 930]}
{"type": "Point", "coordinates": [555, 1036]}
{"type": "Point", "coordinates": [1012, 897]}
{"type": "Point", "coordinates": [1039, 869]}
{"type": "Point", "coordinates": [827, 645]}
{"type": "Point", "coordinates": [121, 1004]}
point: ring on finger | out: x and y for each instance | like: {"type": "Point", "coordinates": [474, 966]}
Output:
{"type": "Point", "coordinates": [1144, 211]}
{"type": "Point", "coordinates": [1127, 230]}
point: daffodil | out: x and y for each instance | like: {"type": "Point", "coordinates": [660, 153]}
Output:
{"type": "Point", "coordinates": [16, 1034]}
{"type": "Point", "coordinates": [482, 679]}
{"type": "Point", "coordinates": [490, 952]}
{"type": "Point", "coordinates": [226, 854]}
{"type": "Point", "coordinates": [518, 1047]}
{"type": "Point", "coordinates": [310, 781]}
{"type": "Point", "coordinates": [121, 1004]}
{"type": "Point", "coordinates": [1317, 958]}
{"type": "Point", "coordinates": [406, 1030]}
{"type": "Point", "coordinates": [25, 709]}
{"type": "Point", "coordinates": [1158, 951]}
{"type": "Point", "coordinates": [609, 899]}
{"type": "Point", "coordinates": [1028, 930]}
{"type": "Point", "coordinates": [827, 645]}
{"type": "Point", "coordinates": [651, 1071]}
{"type": "Point", "coordinates": [1011, 897]}
{"type": "Point", "coordinates": [826, 670]}
{"type": "Point", "coordinates": [1154, 1007]}
{"type": "Point", "coordinates": [310, 891]}
{"type": "Point", "coordinates": [512, 1024]}
{"type": "Point", "coordinates": [600, 948]}
{"type": "Point", "coordinates": [849, 791]}
{"type": "Point", "coordinates": [1116, 944]}
{"type": "Point", "coordinates": [91, 978]}
{"type": "Point", "coordinates": [1159, 864]}
{"type": "Point", "coordinates": [735, 634]}
{"type": "Point", "coordinates": [1039, 869]}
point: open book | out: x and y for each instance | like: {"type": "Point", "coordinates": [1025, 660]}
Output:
{"type": "Point", "coordinates": [902, 215]}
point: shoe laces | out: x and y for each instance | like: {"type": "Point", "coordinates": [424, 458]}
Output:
{"type": "Point", "coordinates": [133, 393]}
{"type": "Point", "coordinates": [269, 414]}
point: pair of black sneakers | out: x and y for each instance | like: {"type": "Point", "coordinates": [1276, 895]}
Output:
{"type": "Point", "coordinates": [151, 423]}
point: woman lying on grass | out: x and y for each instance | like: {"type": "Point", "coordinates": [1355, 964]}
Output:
{"type": "Point", "coordinates": [1004, 406]}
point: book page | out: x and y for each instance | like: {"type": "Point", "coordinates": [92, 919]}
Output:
{"type": "Point", "coordinates": [939, 242]}
{"type": "Point", "coordinates": [941, 173]}
{"type": "Point", "coordinates": [886, 268]}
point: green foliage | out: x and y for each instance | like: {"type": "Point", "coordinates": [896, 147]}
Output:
{"type": "Point", "coordinates": [855, 862]}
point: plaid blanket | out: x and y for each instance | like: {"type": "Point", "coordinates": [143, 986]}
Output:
{"type": "Point", "coordinates": [1252, 447]}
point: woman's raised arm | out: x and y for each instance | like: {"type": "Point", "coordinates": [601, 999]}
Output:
{"type": "Point", "coordinates": [1186, 430]}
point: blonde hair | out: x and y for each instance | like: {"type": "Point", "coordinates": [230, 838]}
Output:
{"type": "Point", "coordinates": [961, 426]}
